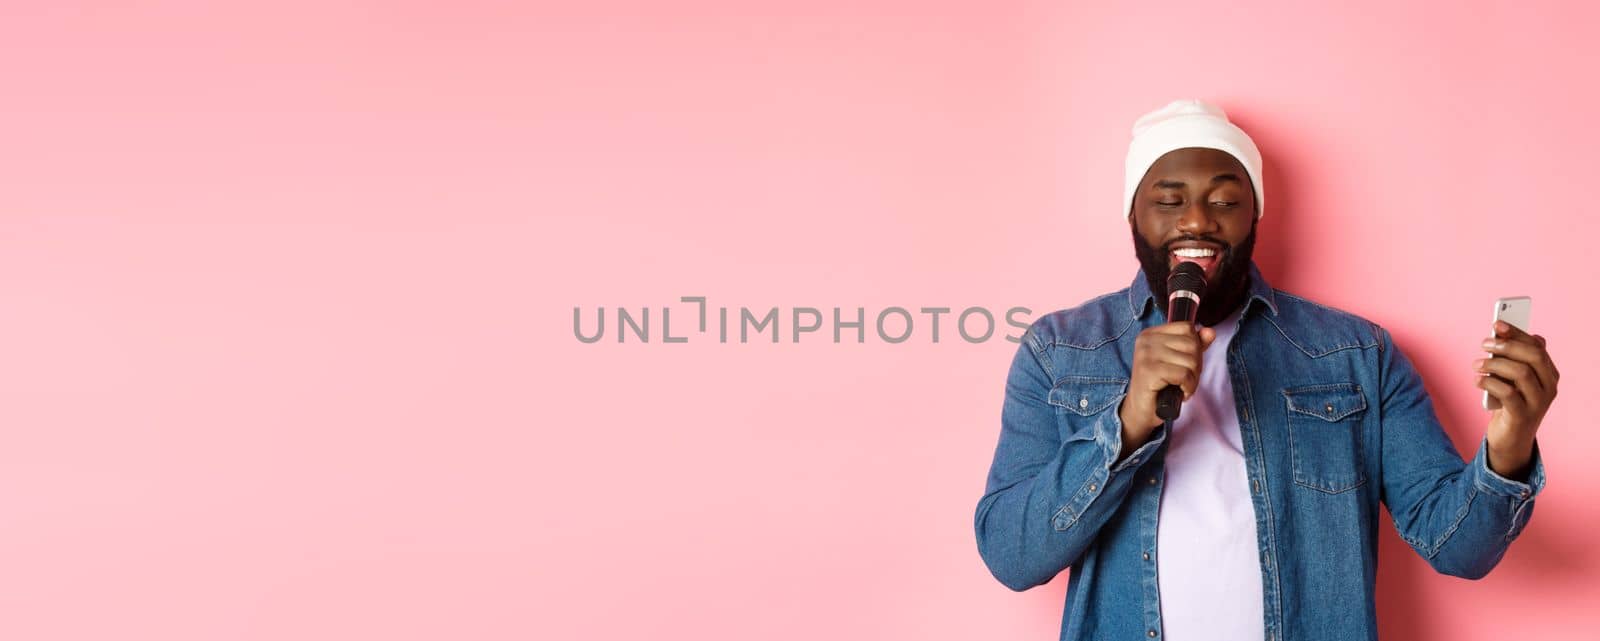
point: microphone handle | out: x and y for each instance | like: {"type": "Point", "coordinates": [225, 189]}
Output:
{"type": "Point", "coordinates": [1182, 305]}
{"type": "Point", "coordinates": [1167, 402]}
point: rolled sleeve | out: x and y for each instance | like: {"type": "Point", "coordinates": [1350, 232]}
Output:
{"type": "Point", "coordinates": [1518, 495]}
{"type": "Point", "coordinates": [1490, 481]}
{"type": "Point", "coordinates": [1111, 435]}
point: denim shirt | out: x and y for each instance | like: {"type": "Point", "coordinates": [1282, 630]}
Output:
{"type": "Point", "coordinates": [1334, 419]}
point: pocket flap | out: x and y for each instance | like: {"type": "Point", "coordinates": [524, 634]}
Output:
{"type": "Point", "coordinates": [1328, 402]}
{"type": "Point", "coordinates": [1086, 395]}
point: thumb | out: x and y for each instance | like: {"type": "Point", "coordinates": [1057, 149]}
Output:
{"type": "Point", "coordinates": [1207, 335]}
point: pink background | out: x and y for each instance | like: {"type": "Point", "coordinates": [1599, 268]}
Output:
{"type": "Point", "coordinates": [286, 296]}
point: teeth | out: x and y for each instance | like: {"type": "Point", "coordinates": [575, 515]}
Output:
{"type": "Point", "coordinates": [1194, 252]}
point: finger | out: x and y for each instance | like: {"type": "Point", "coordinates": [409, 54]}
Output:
{"type": "Point", "coordinates": [1510, 399]}
{"type": "Point", "coordinates": [1518, 373]}
{"type": "Point", "coordinates": [1175, 328]}
{"type": "Point", "coordinates": [1207, 336]}
{"type": "Point", "coordinates": [1506, 330]}
{"type": "Point", "coordinates": [1186, 344]}
{"type": "Point", "coordinates": [1188, 362]}
{"type": "Point", "coordinates": [1555, 374]}
{"type": "Point", "coordinates": [1158, 374]}
{"type": "Point", "coordinates": [1170, 374]}
{"type": "Point", "coordinates": [1525, 352]}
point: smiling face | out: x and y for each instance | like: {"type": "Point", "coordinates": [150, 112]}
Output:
{"type": "Point", "coordinates": [1197, 205]}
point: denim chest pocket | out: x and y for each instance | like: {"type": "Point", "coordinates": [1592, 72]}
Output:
{"type": "Point", "coordinates": [1078, 398]}
{"type": "Point", "coordinates": [1325, 436]}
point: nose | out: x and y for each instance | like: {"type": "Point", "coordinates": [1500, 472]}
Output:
{"type": "Point", "coordinates": [1196, 219]}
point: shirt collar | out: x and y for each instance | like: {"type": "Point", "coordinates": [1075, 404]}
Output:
{"type": "Point", "coordinates": [1140, 298]}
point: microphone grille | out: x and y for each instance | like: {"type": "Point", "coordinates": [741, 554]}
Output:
{"type": "Point", "coordinates": [1187, 276]}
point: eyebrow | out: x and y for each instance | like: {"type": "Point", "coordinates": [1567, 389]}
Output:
{"type": "Point", "coordinates": [1178, 184]}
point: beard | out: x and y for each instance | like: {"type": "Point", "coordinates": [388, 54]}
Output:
{"type": "Point", "coordinates": [1223, 294]}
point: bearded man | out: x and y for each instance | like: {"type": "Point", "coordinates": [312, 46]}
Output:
{"type": "Point", "coordinates": [1253, 515]}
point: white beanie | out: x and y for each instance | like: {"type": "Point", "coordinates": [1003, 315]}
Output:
{"type": "Point", "coordinates": [1187, 123]}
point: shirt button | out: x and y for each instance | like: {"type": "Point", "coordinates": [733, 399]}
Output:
{"type": "Point", "coordinates": [1329, 407]}
{"type": "Point", "coordinates": [1083, 402]}
{"type": "Point", "coordinates": [1094, 486]}
{"type": "Point", "coordinates": [1256, 485]}
{"type": "Point", "coordinates": [1523, 494]}
{"type": "Point", "coordinates": [1152, 480]}
{"type": "Point", "coordinates": [1147, 556]}
{"type": "Point", "coordinates": [1152, 634]}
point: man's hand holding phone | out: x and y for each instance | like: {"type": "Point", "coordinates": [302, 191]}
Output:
{"type": "Point", "coordinates": [1521, 376]}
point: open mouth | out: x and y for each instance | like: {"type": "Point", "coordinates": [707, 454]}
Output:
{"type": "Point", "coordinates": [1206, 256]}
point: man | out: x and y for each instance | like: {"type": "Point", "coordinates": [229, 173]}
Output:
{"type": "Point", "coordinates": [1253, 515]}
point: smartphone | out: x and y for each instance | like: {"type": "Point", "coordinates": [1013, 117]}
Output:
{"type": "Point", "coordinates": [1515, 312]}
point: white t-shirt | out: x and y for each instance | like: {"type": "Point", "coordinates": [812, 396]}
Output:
{"type": "Point", "coordinates": [1208, 566]}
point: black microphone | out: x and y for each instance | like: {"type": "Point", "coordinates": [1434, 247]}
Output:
{"type": "Point", "coordinates": [1184, 285]}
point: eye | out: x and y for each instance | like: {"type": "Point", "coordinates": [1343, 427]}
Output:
{"type": "Point", "coordinates": [1167, 204]}
{"type": "Point", "coordinates": [1230, 204]}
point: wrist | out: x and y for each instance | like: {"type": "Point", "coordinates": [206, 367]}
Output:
{"type": "Point", "coordinates": [1510, 460]}
{"type": "Point", "coordinates": [1133, 437]}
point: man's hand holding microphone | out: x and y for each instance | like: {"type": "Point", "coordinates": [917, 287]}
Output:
{"type": "Point", "coordinates": [1166, 361]}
